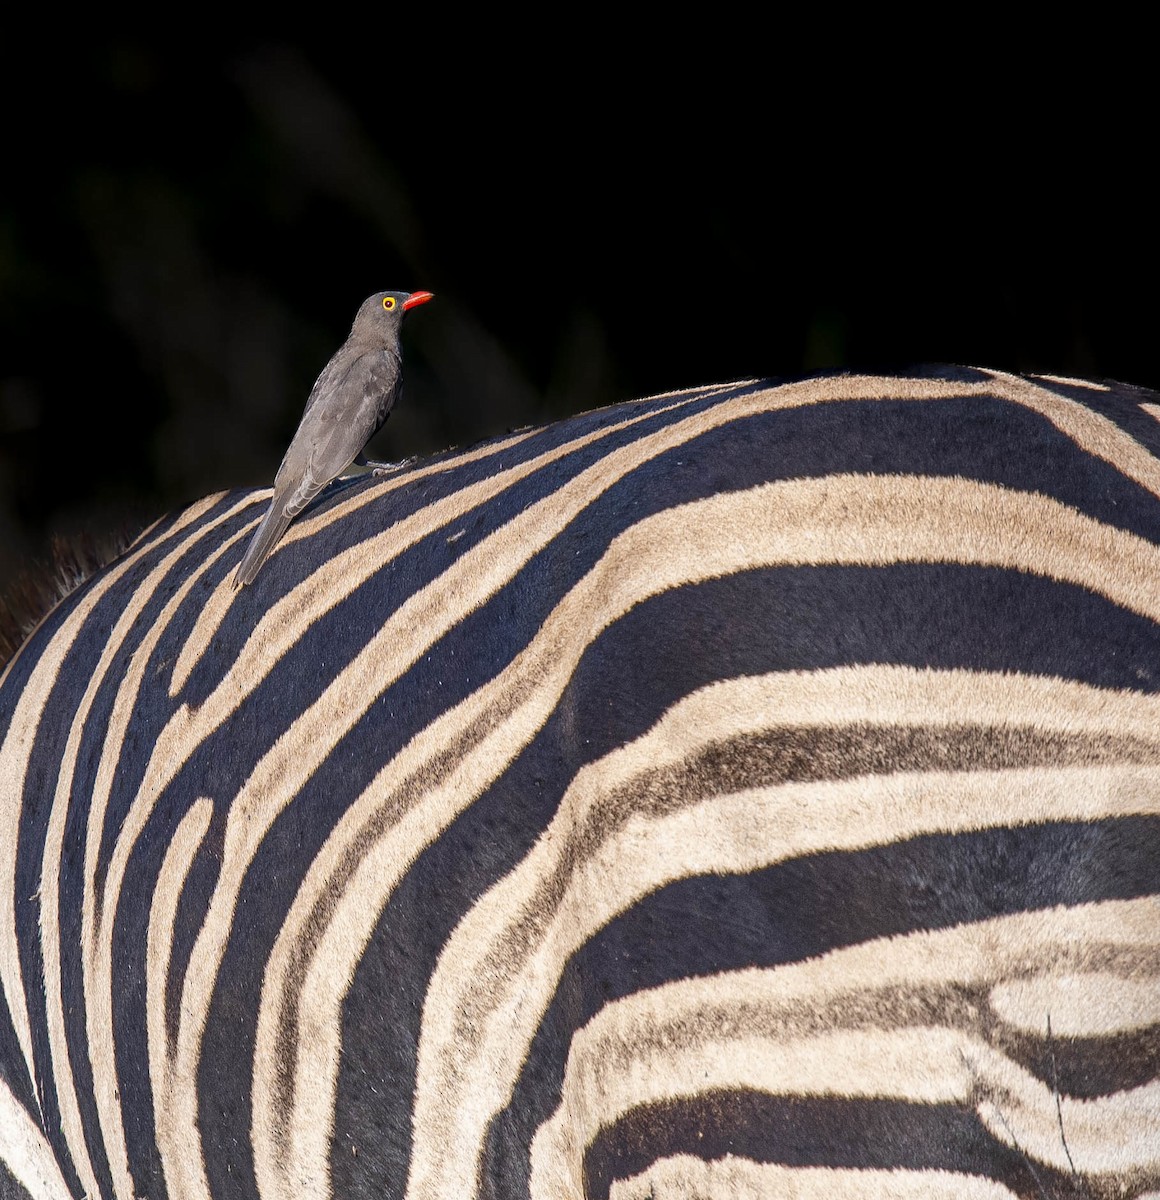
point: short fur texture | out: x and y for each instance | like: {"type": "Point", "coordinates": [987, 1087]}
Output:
{"type": "Point", "coordinates": [751, 790]}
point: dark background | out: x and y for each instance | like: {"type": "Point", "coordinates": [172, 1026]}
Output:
{"type": "Point", "coordinates": [185, 233]}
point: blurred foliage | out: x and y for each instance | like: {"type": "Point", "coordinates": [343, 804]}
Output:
{"type": "Point", "coordinates": [185, 237]}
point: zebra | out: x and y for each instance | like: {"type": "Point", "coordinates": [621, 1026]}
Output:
{"type": "Point", "coordinates": [749, 790]}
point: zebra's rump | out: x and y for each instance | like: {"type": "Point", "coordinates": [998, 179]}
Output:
{"type": "Point", "coordinates": [748, 791]}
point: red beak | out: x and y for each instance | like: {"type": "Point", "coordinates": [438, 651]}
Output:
{"type": "Point", "coordinates": [417, 298]}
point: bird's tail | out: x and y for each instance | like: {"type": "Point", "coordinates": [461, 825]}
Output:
{"type": "Point", "coordinates": [265, 537]}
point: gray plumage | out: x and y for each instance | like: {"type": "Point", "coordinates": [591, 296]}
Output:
{"type": "Point", "coordinates": [347, 406]}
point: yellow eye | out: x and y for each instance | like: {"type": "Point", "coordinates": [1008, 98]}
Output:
{"type": "Point", "coordinates": [388, 302]}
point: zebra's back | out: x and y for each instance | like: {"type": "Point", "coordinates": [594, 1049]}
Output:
{"type": "Point", "coordinates": [750, 791]}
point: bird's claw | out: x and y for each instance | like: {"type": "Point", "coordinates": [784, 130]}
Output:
{"type": "Point", "coordinates": [378, 469]}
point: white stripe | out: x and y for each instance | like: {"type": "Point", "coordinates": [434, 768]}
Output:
{"type": "Point", "coordinates": [97, 935]}
{"type": "Point", "coordinates": [837, 519]}
{"type": "Point", "coordinates": [15, 758]}
{"type": "Point", "coordinates": [181, 1158]}
{"type": "Point", "coordinates": [1086, 384]}
{"type": "Point", "coordinates": [1091, 1003]}
{"type": "Point", "coordinates": [186, 729]}
{"type": "Point", "coordinates": [487, 998]}
{"type": "Point", "coordinates": [758, 1030]}
{"type": "Point", "coordinates": [684, 1177]}
{"type": "Point", "coordinates": [291, 615]}
{"type": "Point", "coordinates": [25, 1151]}
{"type": "Point", "coordinates": [1093, 433]}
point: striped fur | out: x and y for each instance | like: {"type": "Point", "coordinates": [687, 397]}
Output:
{"type": "Point", "coordinates": [750, 791]}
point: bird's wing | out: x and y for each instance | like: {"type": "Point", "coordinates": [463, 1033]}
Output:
{"type": "Point", "coordinates": [346, 406]}
{"type": "Point", "coordinates": [342, 414]}
{"type": "Point", "coordinates": [342, 423]}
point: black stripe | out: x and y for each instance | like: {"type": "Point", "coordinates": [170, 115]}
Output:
{"type": "Point", "coordinates": [809, 1132]}
{"type": "Point", "coordinates": [978, 437]}
{"type": "Point", "coordinates": [284, 572]}
{"type": "Point", "coordinates": [381, 1017]}
{"type": "Point", "coordinates": [56, 718]}
{"type": "Point", "coordinates": [1087, 1068]}
{"type": "Point", "coordinates": [811, 618]}
{"type": "Point", "coordinates": [152, 706]}
{"type": "Point", "coordinates": [1121, 404]}
{"type": "Point", "coordinates": [808, 906]}
{"type": "Point", "coordinates": [807, 618]}
{"type": "Point", "coordinates": [10, 1189]}
{"type": "Point", "coordinates": [12, 1069]}
{"type": "Point", "coordinates": [129, 1011]}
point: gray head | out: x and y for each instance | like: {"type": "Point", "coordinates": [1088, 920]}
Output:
{"type": "Point", "coordinates": [379, 317]}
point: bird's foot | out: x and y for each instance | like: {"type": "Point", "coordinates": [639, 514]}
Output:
{"type": "Point", "coordinates": [385, 468]}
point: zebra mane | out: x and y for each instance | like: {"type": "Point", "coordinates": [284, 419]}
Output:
{"type": "Point", "coordinates": [41, 586]}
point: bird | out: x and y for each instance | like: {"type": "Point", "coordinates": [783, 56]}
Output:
{"type": "Point", "coordinates": [347, 406]}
